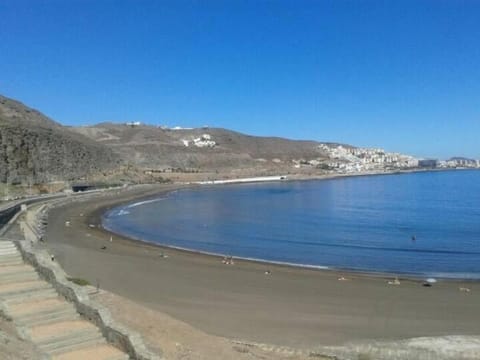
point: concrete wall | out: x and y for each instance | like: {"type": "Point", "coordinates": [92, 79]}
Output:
{"type": "Point", "coordinates": [116, 334]}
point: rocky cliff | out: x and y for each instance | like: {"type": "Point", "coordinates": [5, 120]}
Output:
{"type": "Point", "coordinates": [35, 149]}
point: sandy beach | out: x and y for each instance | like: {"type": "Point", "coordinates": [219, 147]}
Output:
{"type": "Point", "coordinates": [291, 306]}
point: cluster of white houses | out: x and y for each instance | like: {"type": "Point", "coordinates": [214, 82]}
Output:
{"type": "Point", "coordinates": [459, 163]}
{"type": "Point", "coordinates": [203, 141]}
{"type": "Point", "coordinates": [346, 158]}
{"type": "Point", "coordinates": [354, 159]}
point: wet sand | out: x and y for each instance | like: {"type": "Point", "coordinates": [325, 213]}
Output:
{"type": "Point", "coordinates": [292, 306]}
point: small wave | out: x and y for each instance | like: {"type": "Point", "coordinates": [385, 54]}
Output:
{"type": "Point", "coordinates": [466, 347]}
{"type": "Point", "coordinates": [469, 276]}
{"type": "Point", "coordinates": [286, 263]}
{"type": "Point", "coordinates": [143, 202]}
{"type": "Point", "coordinates": [454, 275]}
{"type": "Point", "coordinates": [374, 248]}
{"type": "Point", "coordinates": [122, 212]}
{"type": "Point", "coordinates": [219, 254]}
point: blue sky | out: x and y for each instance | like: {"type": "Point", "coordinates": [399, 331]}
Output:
{"type": "Point", "coordinates": [403, 75]}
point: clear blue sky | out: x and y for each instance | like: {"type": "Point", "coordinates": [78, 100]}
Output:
{"type": "Point", "coordinates": [403, 75]}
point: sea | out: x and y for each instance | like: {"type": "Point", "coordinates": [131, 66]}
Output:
{"type": "Point", "coordinates": [417, 224]}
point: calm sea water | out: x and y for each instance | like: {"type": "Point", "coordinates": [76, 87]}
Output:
{"type": "Point", "coordinates": [361, 223]}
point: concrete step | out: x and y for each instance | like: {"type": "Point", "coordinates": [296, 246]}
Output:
{"type": "Point", "coordinates": [38, 294]}
{"type": "Point", "coordinates": [8, 251]}
{"type": "Point", "coordinates": [18, 277]}
{"type": "Point", "coordinates": [22, 289]}
{"type": "Point", "coordinates": [16, 268]}
{"type": "Point", "coordinates": [40, 333]}
{"type": "Point", "coordinates": [5, 259]}
{"type": "Point", "coordinates": [71, 341]}
{"type": "Point", "coordinates": [11, 262]}
{"type": "Point", "coordinates": [10, 255]}
{"type": "Point", "coordinates": [7, 245]}
{"type": "Point", "coordinates": [52, 323]}
{"type": "Point", "coordinates": [79, 345]}
{"type": "Point", "coordinates": [30, 306]}
{"type": "Point", "coordinates": [47, 317]}
{"type": "Point", "coordinates": [98, 352]}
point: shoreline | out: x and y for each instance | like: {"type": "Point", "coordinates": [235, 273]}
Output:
{"type": "Point", "coordinates": [291, 306]}
{"type": "Point", "coordinates": [97, 218]}
{"type": "Point", "coordinates": [415, 277]}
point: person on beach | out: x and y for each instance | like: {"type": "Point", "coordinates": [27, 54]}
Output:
{"type": "Point", "coordinates": [228, 260]}
{"type": "Point", "coordinates": [394, 282]}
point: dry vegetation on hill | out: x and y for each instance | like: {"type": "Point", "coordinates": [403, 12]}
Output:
{"type": "Point", "coordinates": [159, 148]}
{"type": "Point", "coordinates": [36, 150]}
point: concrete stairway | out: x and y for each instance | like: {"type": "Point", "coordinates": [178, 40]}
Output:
{"type": "Point", "coordinates": [46, 319]}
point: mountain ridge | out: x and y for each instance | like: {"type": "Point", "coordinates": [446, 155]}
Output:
{"type": "Point", "coordinates": [35, 149]}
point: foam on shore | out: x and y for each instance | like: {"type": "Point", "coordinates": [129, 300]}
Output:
{"type": "Point", "coordinates": [144, 202]}
{"type": "Point", "coordinates": [458, 347]}
{"type": "Point", "coordinates": [244, 180]}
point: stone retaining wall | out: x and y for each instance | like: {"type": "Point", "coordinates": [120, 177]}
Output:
{"type": "Point", "coordinates": [116, 334]}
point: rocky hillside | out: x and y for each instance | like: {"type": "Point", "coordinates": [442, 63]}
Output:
{"type": "Point", "coordinates": [152, 147]}
{"type": "Point", "coordinates": [34, 149]}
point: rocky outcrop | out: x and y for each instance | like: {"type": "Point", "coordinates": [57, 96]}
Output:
{"type": "Point", "coordinates": [34, 149]}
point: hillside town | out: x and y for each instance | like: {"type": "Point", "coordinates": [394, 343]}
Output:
{"type": "Point", "coordinates": [337, 158]}
{"type": "Point", "coordinates": [348, 159]}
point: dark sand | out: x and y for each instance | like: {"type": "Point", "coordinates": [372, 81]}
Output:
{"type": "Point", "coordinates": [292, 306]}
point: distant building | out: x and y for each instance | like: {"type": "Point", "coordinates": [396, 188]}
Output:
{"type": "Point", "coordinates": [428, 163]}
{"type": "Point", "coordinates": [463, 162]}
{"type": "Point", "coordinates": [133, 123]}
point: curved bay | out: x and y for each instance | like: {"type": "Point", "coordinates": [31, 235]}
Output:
{"type": "Point", "coordinates": [360, 223]}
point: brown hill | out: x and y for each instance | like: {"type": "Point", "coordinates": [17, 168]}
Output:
{"type": "Point", "coordinates": [35, 149]}
{"type": "Point", "coordinates": [159, 148]}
